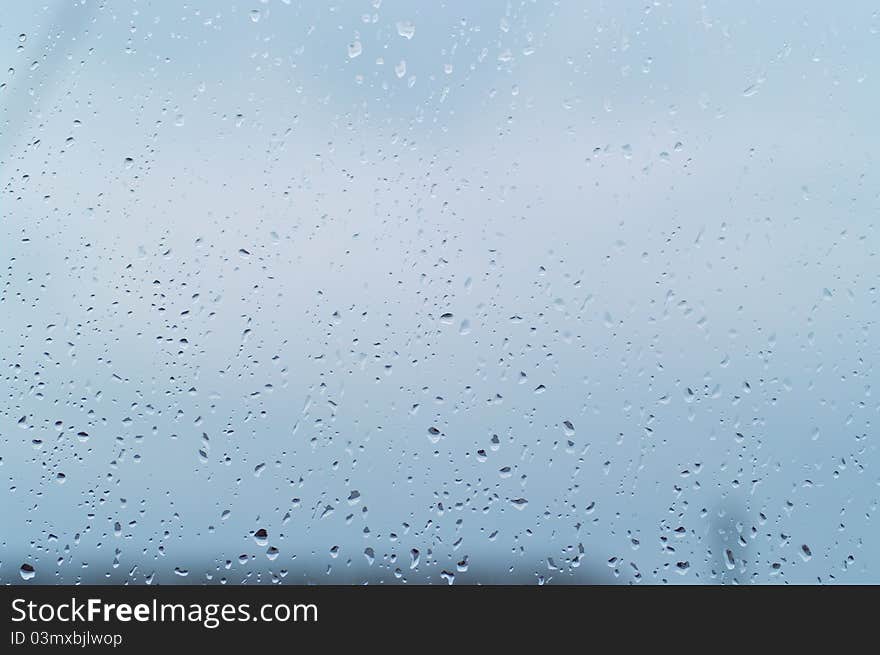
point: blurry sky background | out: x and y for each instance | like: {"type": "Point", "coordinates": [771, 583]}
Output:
{"type": "Point", "coordinates": [439, 291]}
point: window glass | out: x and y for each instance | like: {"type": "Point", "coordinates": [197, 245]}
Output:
{"type": "Point", "coordinates": [433, 292]}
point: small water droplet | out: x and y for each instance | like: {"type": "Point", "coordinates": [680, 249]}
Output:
{"type": "Point", "coordinates": [27, 572]}
{"type": "Point", "coordinates": [406, 29]}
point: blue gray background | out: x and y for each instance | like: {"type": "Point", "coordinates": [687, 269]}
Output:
{"type": "Point", "coordinates": [439, 292]}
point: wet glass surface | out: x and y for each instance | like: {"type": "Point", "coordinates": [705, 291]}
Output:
{"type": "Point", "coordinates": [439, 292]}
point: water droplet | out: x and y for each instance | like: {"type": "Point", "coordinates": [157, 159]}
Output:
{"type": "Point", "coordinates": [406, 29]}
{"type": "Point", "coordinates": [27, 571]}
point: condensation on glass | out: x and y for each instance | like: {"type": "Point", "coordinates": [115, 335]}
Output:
{"type": "Point", "coordinates": [462, 292]}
